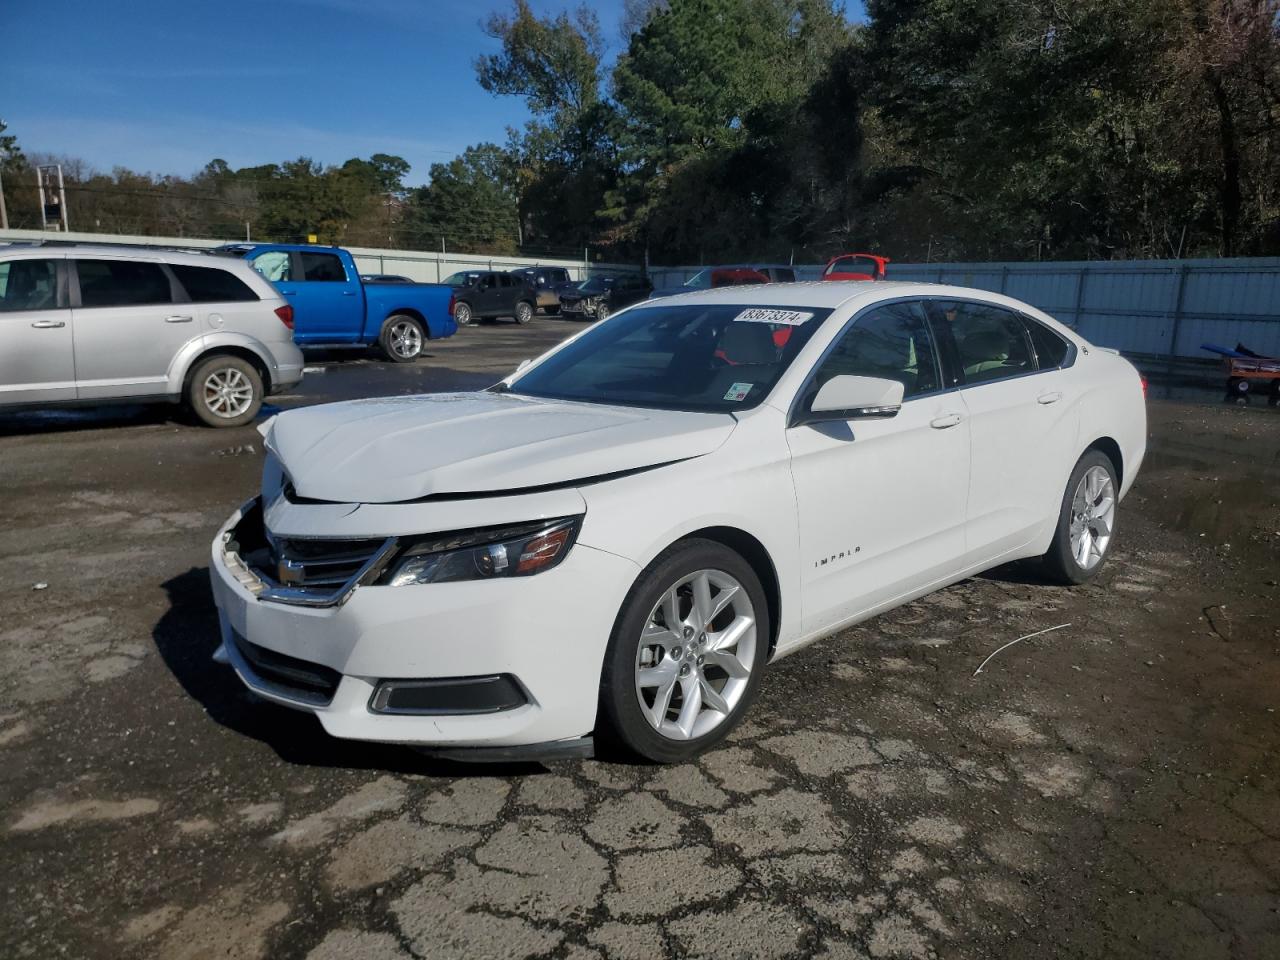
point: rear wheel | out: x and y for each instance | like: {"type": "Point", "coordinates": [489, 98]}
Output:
{"type": "Point", "coordinates": [1086, 521]}
{"type": "Point", "coordinates": [524, 312]}
{"type": "Point", "coordinates": [225, 391]}
{"type": "Point", "coordinates": [402, 339]}
{"type": "Point", "coordinates": [685, 658]}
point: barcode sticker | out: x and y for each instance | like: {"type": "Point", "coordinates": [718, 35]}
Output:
{"type": "Point", "coordinates": [786, 318]}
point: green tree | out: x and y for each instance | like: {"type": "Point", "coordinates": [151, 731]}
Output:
{"type": "Point", "coordinates": [470, 204]}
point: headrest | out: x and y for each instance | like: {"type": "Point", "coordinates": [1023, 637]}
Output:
{"type": "Point", "coordinates": [748, 343]}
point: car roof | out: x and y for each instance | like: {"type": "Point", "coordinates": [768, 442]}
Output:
{"type": "Point", "coordinates": [120, 251]}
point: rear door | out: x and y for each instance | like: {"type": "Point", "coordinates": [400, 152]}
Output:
{"type": "Point", "coordinates": [1022, 424]}
{"type": "Point", "coordinates": [881, 501]}
{"type": "Point", "coordinates": [130, 320]}
{"type": "Point", "coordinates": [37, 362]}
{"type": "Point", "coordinates": [327, 303]}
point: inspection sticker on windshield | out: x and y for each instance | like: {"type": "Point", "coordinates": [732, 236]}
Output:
{"type": "Point", "coordinates": [739, 391]}
{"type": "Point", "coordinates": [788, 318]}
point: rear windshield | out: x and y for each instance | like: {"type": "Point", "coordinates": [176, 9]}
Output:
{"type": "Point", "coordinates": [714, 358]}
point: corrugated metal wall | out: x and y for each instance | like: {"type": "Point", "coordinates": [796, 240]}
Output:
{"type": "Point", "coordinates": [1155, 307]}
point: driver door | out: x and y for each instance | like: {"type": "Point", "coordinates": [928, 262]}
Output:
{"type": "Point", "coordinates": [881, 502]}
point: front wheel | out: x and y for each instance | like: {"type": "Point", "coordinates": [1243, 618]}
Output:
{"type": "Point", "coordinates": [1086, 521]}
{"type": "Point", "coordinates": [603, 312]}
{"type": "Point", "coordinates": [402, 339]}
{"type": "Point", "coordinates": [225, 391]}
{"type": "Point", "coordinates": [684, 661]}
{"type": "Point", "coordinates": [462, 315]}
{"type": "Point", "coordinates": [524, 312]}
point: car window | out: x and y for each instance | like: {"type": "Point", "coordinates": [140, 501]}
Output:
{"type": "Point", "coordinates": [704, 357]}
{"type": "Point", "coordinates": [853, 265]}
{"type": "Point", "coordinates": [507, 280]}
{"type": "Point", "coordinates": [991, 342]}
{"type": "Point", "coordinates": [892, 342]}
{"type": "Point", "coordinates": [210, 285]}
{"type": "Point", "coordinates": [275, 265]}
{"type": "Point", "coordinates": [1051, 349]}
{"type": "Point", "coordinates": [122, 283]}
{"type": "Point", "coordinates": [783, 275]}
{"type": "Point", "coordinates": [28, 285]}
{"type": "Point", "coordinates": [323, 268]}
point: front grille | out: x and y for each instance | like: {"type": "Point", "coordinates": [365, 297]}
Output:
{"type": "Point", "coordinates": [301, 570]}
{"type": "Point", "coordinates": [298, 679]}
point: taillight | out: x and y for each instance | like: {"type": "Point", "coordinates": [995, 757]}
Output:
{"type": "Point", "coordinates": [453, 302]}
{"type": "Point", "coordinates": [285, 314]}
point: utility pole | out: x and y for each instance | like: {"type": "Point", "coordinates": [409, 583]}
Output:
{"type": "Point", "coordinates": [52, 205]}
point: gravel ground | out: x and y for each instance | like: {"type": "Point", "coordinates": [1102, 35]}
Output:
{"type": "Point", "coordinates": [1107, 789]}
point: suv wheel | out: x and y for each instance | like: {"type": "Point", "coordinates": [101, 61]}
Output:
{"type": "Point", "coordinates": [225, 391]}
{"type": "Point", "coordinates": [402, 339]}
{"type": "Point", "coordinates": [684, 662]}
{"type": "Point", "coordinates": [462, 315]}
{"type": "Point", "coordinates": [603, 311]}
{"type": "Point", "coordinates": [524, 312]}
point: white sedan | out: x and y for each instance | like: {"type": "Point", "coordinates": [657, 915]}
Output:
{"type": "Point", "coordinates": [622, 534]}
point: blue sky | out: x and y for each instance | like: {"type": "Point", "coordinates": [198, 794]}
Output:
{"type": "Point", "coordinates": [165, 87]}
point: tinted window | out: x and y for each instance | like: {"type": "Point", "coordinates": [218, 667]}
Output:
{"type": "Point", "coordinates": [275, 265]}
{"type": "Point", "coordinates": [783, 275]}
{"type": "Point", "coordinates": [892, 342]}
{"type": "Point", "coordinates": [325, 267]}
{"type": "Point", "coordinates": [991, 342]}
{"type": "Point", "coordinates": [506, 280]}
{"type": "Point", "coordinates": [705, 357]}
{"type": "Point", "coordinates": [853, 265]}
{"type": "Point", "coordinates": [210, 285]}
{"type": "Point", "coordinates": [28, 285]}
{"type": "Point", "coordinates": [558, 276]}
{"type": "Point", "coordinates": [1051, 349]}
{"type": "Point", "coordinates": [122, 283]}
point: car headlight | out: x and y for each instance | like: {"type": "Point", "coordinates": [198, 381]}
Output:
{"type": "Point", "coordinates": [489, 553]}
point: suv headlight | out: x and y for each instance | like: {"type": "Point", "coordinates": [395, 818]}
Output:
{"type": "Point", "coordinates": [488, 553]}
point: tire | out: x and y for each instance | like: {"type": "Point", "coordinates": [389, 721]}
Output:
{"type": "Point", "coordinates": [603, 312]}
{"type": "Point", "coordinates": [1080, 521]}
{"type": "Point", "coordinates": [524, 312]}
{"type": "Point", "coordinates": [462, 314]}
{"type": "Point", "coordinates": [680, 665]}
{"type": "Point", "coordinates": [224, 391]}
{"type": "Point", "coordinates": [402, 338]}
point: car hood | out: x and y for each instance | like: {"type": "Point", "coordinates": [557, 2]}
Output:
{"type": "Point", "coordinates": [407, 448]}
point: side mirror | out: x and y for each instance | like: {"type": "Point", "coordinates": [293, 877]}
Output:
{"type": "Point", "coordinates": [854, 398]}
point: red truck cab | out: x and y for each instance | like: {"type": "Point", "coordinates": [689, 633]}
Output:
{"type": "Point", "coordinates": [856, 266]}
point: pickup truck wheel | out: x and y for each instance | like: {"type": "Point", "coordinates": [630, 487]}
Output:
{"type": "Point", "coordinates": [524, 312]}
{"type": "Point", "coordinates": [402, 339]}
{"type": "Point", "coordinates": [225, 391]}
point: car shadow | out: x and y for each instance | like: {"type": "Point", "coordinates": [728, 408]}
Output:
{"type": "Point", "coordinates": [68, 419]}
{"type": "Point", "coordinates": [1020, 572]}
{"type": "Point", "coordinates": [186, 636]}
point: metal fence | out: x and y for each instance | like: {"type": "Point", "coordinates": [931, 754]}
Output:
{"type": "Point", "coordinates": [1150, 307]}
{"type": "Point", "coordinates": [424, 266]}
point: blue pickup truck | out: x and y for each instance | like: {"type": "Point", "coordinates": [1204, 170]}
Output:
{"type": "Point", "coordinates": [332, 306]}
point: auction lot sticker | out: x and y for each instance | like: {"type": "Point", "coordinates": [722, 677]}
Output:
{"type": "Point", "coordinates": [787, 318]}
{"type": "Point", "coordinates": [739, 391]}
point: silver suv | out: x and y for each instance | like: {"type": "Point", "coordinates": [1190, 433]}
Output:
{"type": "Point", "coordinates": [86, 323]}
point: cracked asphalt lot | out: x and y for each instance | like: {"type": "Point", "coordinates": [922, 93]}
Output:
{"type": "Point", "coordinates": [1108, 789]}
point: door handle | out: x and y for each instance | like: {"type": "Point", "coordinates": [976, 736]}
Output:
{"type": "Point", "coordinates": [348, 293]}
{"type": "Point", "coordinates": [287, 293]}
{"type": "Point", "coordinates": [178, 319]}
{"type": "Point", "coordinates": [49, 324]}
{"type": "Point", "coordinates": [1050, 397]}
{"type": "Point", "coordinates": [945, 421]}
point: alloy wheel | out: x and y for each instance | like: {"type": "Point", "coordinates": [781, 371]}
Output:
{"type": "Point", "coordinates": [693, 664]}
{"type": "Point", "coordinates": [406, 340]}
{"type": "Point", "coordinates": [1093, 510]}
{"type": "Point", "coordinates": [227, 393]}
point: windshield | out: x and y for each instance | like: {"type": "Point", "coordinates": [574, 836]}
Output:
{"type": "Point", "coordinates": [461, 279]}
{"type": "Point", "coordinates": [714, 358]}
{"type": "Point", "coordinates": [596, 285]}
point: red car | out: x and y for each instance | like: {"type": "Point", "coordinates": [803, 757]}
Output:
{"type": "Point", "coordinates": [856, 266]}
